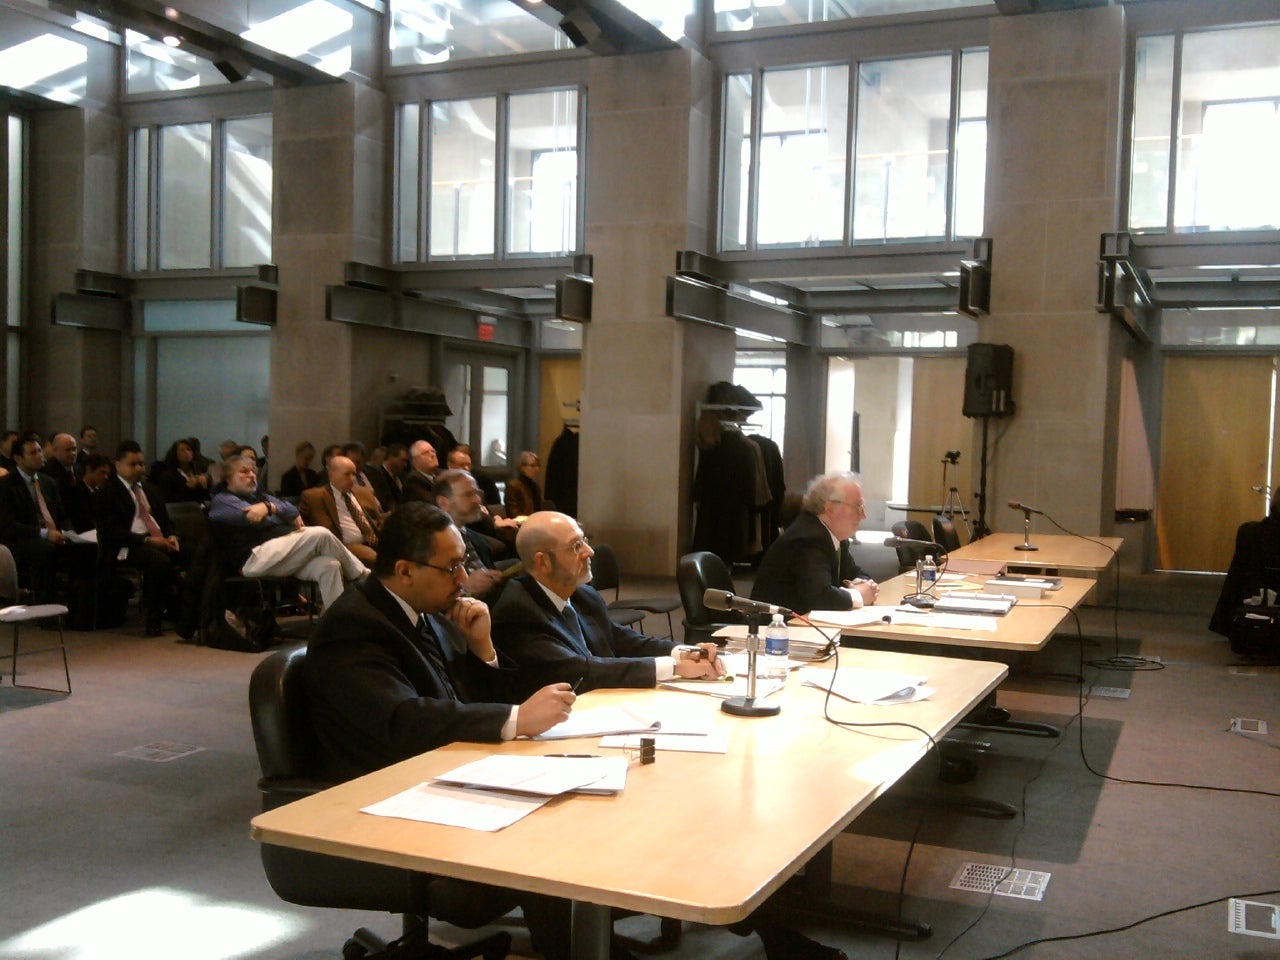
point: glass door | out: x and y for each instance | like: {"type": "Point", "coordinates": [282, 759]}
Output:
{"type": "Point", "coordinates": [479, 388]}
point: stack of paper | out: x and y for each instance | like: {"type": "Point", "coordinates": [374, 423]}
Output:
{"type": "Point", "coordinates": [870, 686]}
{"type": "Point", "coordinates": [600, 722]}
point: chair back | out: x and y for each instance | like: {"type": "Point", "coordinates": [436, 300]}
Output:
{"type": "Point", "coordinates": [695, 574]}
{"type": "Point", "coordinates": [791, 507]}
{"type": "Point", "coordinates": [281, 717]}
{"type": "Point", "coordinates": [944, 532]}
{"type": "Point", "coordinates": [189, 523]}
{"type": "Point", "coordinates": [605, 572]}
{"type": "Point", "coordinates": [910, 530]}
{"type": "Point", "coordinates": [8, 576]}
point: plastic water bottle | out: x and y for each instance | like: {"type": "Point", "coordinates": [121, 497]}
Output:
{"type": "Point", "coordinates": [776, 648]}
{"type": "Point", "coordinates": [928, 575]}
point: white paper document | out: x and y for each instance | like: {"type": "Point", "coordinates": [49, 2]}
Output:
{"type": "Point", "coordinates": [707, 743]}
{"type": "Point", "coordinates": [871, 686]}
{"type": "Point", "coordinates": [545, 776]}
{"type": "Point", "coordinates": [600, 722]}
{"type": "Point", "coordinates": [457, 806]}
{"type": "Point", "coordinates": [735, 664]}
{"type": "Point", "coordinates": [850, 618]}
{"type": "Point", "coordinates": [737, 687]}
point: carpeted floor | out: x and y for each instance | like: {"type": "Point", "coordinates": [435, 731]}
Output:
{"type": "Point", "coordinates": [107, 855]}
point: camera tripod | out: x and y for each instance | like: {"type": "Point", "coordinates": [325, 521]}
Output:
{"type": "Point", "coordinates": [952, 503]}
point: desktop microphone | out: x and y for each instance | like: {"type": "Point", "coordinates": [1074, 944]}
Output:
{"type": "Point", "coordinates": [905, 542]}
{"type": "Point", "coordinates": [1019, 505]}
{"type": "Point", "coordinates": [724, 600]}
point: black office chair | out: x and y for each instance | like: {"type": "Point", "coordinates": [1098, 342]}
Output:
{"type": "Point", "coordinates": [606, 573]}
{"type": "Point", "coordinates": [944, 532]}
{"type": "Point", "coordinates": [910, 530]}
{"type": "Point", "coordinates": [695, 574]}
{"type": "Point", "coordinates": [289, 756]}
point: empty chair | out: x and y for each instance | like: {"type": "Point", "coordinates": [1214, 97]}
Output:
{"type": "Point", "coordinates": [605, 565]}
{"type": "Point", "coordinates": [695, 574]}
{"type": "Point", "coordinates": [605, 575]}
{"type": "Point", "coordinates": [910, 530]}
{"type": "Point", "coordinates": [18, 615]}
{"type": "Point", "coordinates": [944, 532]}
{"type": "Point", "coordinates": [290, 758]}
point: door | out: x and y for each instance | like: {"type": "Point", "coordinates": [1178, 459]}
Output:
{"type": "Point", "coordinates": [479, 388]}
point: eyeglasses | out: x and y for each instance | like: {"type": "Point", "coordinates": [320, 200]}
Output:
{"type": "Point", "coordinates": [859, 506]}
{"type": "Point", "coordinates": [576, 546]}
{"type": "Point", "coordinates": [453, 569]}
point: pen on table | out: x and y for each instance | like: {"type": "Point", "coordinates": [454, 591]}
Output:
{"type": "Point", "coordinates": [577, 683]}
{"type": "Point", "coordinates": [575, 756]}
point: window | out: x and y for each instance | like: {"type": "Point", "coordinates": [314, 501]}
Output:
{"type": "Point", "coordinates": [764, 373]}
{"type": "Point", "coordinates": [13, 214]}
{"type": "Point", "coordinates": [918, 168]}
{"type": "Point", "coordinates": [751, 14]}
{"type": "Point", "coordinates": [1206, 120]}
{"type": "Point", "coordinates": [181, 175]}
{"type": "Point", "coordinates": [425, 32]}
{"type": "Point", "coordinates": [470, 181]}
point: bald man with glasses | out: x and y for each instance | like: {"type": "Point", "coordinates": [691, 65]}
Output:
{"type": "Point", "coordinates": [811, 566]}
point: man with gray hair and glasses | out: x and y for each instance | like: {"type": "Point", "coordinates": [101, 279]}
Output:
{"type": "Point", "coordinates": [811, 566]}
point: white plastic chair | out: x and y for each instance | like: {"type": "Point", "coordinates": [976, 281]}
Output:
{"type": "Point", "coordinates": [18, 615]}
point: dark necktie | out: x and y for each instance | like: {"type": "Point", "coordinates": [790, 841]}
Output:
{"type": "Point", "coordinates": [430, 646]}
{"type": "Point", "coordinates": [472, 560]}
{"type": "Point", "coordinates": [353, 508]}
{"type": "Point", "coordinates": [569, 617]}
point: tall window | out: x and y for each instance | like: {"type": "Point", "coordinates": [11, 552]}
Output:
{"type": "Point", "coordinates": [750, 14]}
{"type": "Point", "coordinates": [764, 373]}
{"type": "Point", "coordinates": [918, 152]}
{"type": "Point", "coordinates": [201, 195]}
{"type": "Point", "coordinates": [499, 176]}
{"type": "Point", "coordinates": [1206, 120]}
{"type": "Point", "coordinates": [13, 215]}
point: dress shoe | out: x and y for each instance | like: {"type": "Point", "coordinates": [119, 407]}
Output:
{"type": "Point", "coordinates": [155, 624]}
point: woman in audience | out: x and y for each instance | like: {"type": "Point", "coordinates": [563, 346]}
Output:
{"type": "Point", "coordinates": [300, 476]}
{"type": "Point", "coordinates": [524, 496]}
{"type": "Point", "coordinates": [181, 481]}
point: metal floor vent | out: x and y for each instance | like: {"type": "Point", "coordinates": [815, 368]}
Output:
{"type": "Point", "coordinates": [159, 751]}
{"type": "Point", "coordinates": [1003, 882]}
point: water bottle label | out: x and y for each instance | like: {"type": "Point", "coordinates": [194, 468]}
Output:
{"type": "Point", "coordinates": [775, 646]}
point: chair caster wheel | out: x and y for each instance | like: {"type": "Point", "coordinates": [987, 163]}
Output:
{"type": "Point", "coordinates": [353, 950]}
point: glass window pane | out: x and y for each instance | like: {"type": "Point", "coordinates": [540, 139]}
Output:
{"type": "Point", "coordinates": [1152, 109]}
{"type": "Point", "coordinates": [156, 67]}
{"type": "Point", "coordinates": [735, 182]}
{"type": "Point", "coordinates": [802, 156]}
{"type": "Point", "coordinates": [246, 224]}
{"type": "Point", "coordinates": [542, 172]}
{"type": "Point", "coordinates": [904, 109]}
{"type": "Point", "coordinates": [971, 146]}
{"type": "Point", "coordinates": [752, 14]}
{"type": "Point", "coordinates": [15, 216]}
{"type": "Point", "coordinates": [462, 177]}
{"type": "Point", "coordinates": [494, 414]}
{"type": "Point", "coordinates": [316, 32]}
{"type": "Point", "coordinates": [141, 212]}
{"type": "Point", "coordinates": [1229, 137]}
{"type": "Point", "coordinates": [408, 173]}
{"type": "Point", "coordinates": [185, 181]}
{"type": "Point", "coordinates": [433, 31]}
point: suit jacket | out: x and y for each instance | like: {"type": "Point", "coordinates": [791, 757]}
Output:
{"type": "Point", "coordinates": [803, 570]}
{"type": "Point", "coordinates": [386, 487]}
{"type": "Point", "coordinates": [523, 496]}
{"type": "Point", "coordinates": [64, 478]}
{"type": "Point", "coordinates": [377, 697]}
{"type": "Point", "coordinates": [19, 514]}
{"type": "Point", "coordinates": [113, 510]}
{"type": "Point", "coordinates": [319, 508]}
{"type": "Point", "coordinates": [417, 487]}
{"type": "Point", "coordinates": [527, 628]}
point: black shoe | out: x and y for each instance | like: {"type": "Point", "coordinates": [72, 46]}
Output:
{"type": "Point", "coordinates": [155, 624]}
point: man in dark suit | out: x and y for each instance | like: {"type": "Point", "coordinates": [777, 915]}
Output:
{"type": "Point", "coordinates": [61, 466]}
{"type": "Point", "coordinates": [810, 567]}
{"type": "Point", "coordinates": [404, 663]}
{"type": "Point", "coordinates": [385, 477]}
{"type": "Point", "coordinates": [133, 526]}
{"type": "Point", "coordinates": [32, 522]}
{"type": "Point", "coordinates": [420, 481]}
{"type": "Point", "coordinates": [458, 495]}
{"type": "Point", "coordinates": [555, 627]}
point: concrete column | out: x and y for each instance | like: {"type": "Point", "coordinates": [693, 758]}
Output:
{"type": "Point", "coordinates": [1055, 111]}
{"type": "Point", "coordinates": [328, 380]}
{"type": "Point", "coordinates": [74, 375]}
{"type": "Point", "coordinates": [647, 193]}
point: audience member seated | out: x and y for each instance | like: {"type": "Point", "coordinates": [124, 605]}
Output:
{"type": "Point", "coordinates": [1255, 567]}
{"type": "Point", "coordinates": [259, 535]}
{"type": "Point", "coordinates": [458, 496]}
{"type": "Point", "coordinates": [95, 472]}
{"type": "Point", "coordinates": [404, 663]}
{"type": "Point", "coordinates": [182, 481]}
{"type": "Point", "coordinates": [133, 527]}
{"type": "Point", "coordinates": [349, 512]}
{"type": "Point", "coordinates": [501, 528]}
{"type": "Point", "coordinates": [10, 437]}
{"type": "Point", "coordinates": [354, 451]}
{"type": "Point", "coordinates": [810, 567]}
{"type": "Point", "coordinates": [385, 477]}
{"type": "Point", "coordinates": [460, 458]}
{"type": "Point", "coordinates": [32, 524]}
{"type": "Point", "coordinates": [555, 627]}
{"type": "Point", "coordinates": [300, 476]}
{"type": "Point", "coordinates": [421, 480]}
{"type": "Point", "coordinates": [524, 496]}
{"type": "Point", "coordinates": [86, 447]}
{"type": "Point", "coordinates": [61, 465]}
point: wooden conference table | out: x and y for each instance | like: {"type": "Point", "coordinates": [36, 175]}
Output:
{"type": "Point", "coordinates": [787, 787]}
{"type": "Point", "coordinates": [1056, 551]}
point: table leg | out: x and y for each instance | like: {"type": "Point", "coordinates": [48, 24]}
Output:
{"type": "Point", "coordinates": [592, 927]}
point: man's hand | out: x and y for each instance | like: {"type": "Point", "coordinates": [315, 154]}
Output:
{"type": "Point", "coordinates": [868, 588]}
{"type": "Point", "coordinates": [257, 513]}
{"type": "Point", "coordinates": [55, 536]}
{"type": "Point", "coordinates": [482, 581]}
{"type": "Point", "coordinates": [703, 663]}
{"type": "Point", "coordinates": [549, 706]}
{"type": "Point", "coordinates": [164, 543]}
{"type": "Point", "coordinates": [471, 616]}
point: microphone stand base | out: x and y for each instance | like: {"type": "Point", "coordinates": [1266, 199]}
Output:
{"type": "Point", "coordinates": [749, 707]}
{"type": "Point", "coordinates": [1025, 546]}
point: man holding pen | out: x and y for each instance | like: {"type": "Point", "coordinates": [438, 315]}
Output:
{"type": "Point", "coordinates": [554, 626]}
